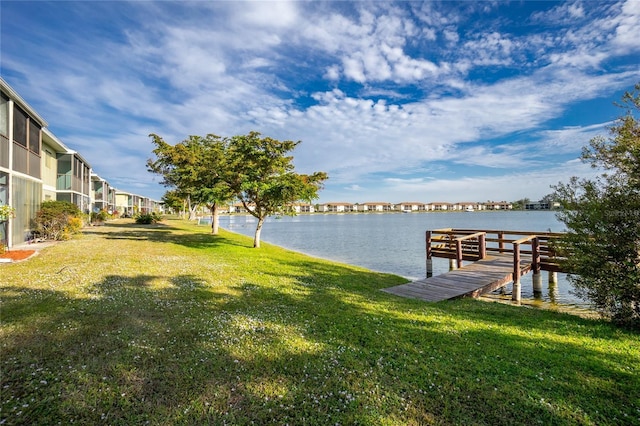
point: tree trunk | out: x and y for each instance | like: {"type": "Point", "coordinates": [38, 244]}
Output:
{"type": "Point", "coordinates": [215, 219]}
{"type": "Point", "coordinates": [256, 240]}
{"type": "Point", "coordinates": [192, 211]}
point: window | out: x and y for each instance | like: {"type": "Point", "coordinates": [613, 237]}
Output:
{"type": "Point", "coordinates": [4, 115]}
{"type": "Point", "coordinates": [48, 158]}
{"type": "Point", "coordinates": [77, 168]}
{"type": "Point", "coordinates": [20, 119]}
{"type": "Point", "coordinates": [34, 137]}
{"type": "Point", "coordinates": [4, 188]}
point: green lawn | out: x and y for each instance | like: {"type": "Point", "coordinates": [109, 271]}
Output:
{"type": "Point", "coordinates": [132, 324]}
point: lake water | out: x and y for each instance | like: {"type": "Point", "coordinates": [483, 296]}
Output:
{"type": "Point", "coordinates": [395, 242]}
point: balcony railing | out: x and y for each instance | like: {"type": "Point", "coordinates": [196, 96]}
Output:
{"type": "Point", "coordinates": [35, 167]}
{"type": "Point", "coordinates": [63, 182]}
{"type": "Point", "coordinates": [20, 159]}
{"type": "Point", "coordinates": [4, 152]}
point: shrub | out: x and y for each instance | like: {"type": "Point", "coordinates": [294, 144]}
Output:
{"type": "Point", "coordinates": [148, 218]}
{"type": "Point", "coordinates": [58, 220]}
{"type": "Point", "coordinates": [601, 215]}
{"type": "Point", "coordinates": [74, 225]}
{"type": "Point", "coordinates": [6, 212]}
{"type": "Point", "coordinates": [101, 216]}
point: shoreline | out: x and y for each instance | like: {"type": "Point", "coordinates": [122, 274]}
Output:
{"type": "Point", "coordinates": [493, 297]}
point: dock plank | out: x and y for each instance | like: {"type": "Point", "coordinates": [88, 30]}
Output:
{"type": "Point", "coordinates": [471, 280]}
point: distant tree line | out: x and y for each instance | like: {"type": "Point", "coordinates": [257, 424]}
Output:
{"type": "Point", "coordinates": [521, 204]}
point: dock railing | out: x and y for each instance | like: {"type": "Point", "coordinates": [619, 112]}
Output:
{"type": "Point", "coordinates": [531, 251]}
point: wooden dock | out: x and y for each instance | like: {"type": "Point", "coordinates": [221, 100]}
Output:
{"type": "Point", "coordinates": [472, 280]}
{"type": "Point", "coordinates": [494, 264]}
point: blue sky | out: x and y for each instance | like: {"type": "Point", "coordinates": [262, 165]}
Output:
{"type": "Point", "coordinates": [396, 101]}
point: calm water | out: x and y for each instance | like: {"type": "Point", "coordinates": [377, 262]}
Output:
{"type": "Point", "coordinates": [395, 243]}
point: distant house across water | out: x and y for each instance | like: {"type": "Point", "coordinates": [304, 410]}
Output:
{"type": "Point", "coordinates": [541, 205]}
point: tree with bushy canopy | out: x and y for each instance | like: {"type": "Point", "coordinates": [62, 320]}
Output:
{"type": "Point", "coordinates": [261, 174]}
{"type": "Point", "coordinates": [256, 170]}
{"type": "Point", "coordinates": [194, 167]}
{"type": "Point", "coordinates": [172, 200]}
{"type": "Point", "coordinates": [602, 216]}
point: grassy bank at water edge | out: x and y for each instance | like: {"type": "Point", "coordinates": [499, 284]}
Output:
{"type": "Point", "coordinates": [166, 324]}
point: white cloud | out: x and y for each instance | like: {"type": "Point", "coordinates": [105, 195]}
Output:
{"type": "Point", "coordinates": [508, 187]}
{"type": "Point", "coordinates": [568, 139]}
{"type": "Point", "coordinates": [267, 14]}
{"type": "Point", "coordinates": [564, 13]}
{"type": "Point", "coordinates": [353, 69]}
{"type": "Point", "coordinates": [451, 35]}
{"type": "Point", "coordinates": [223, 67]}
{"type": "Point", "coordinates": [354, 138]}
{"type": "Point", "coordinates": [371, 47]}
{"type": "Point", "coordinates": [627, 30]}
{"type": "Point", "coordinates": [332, 73]}
{"type": "Point", "coordinates": [490, 157]}
{"type": "Point", "coordinates": [491, 49]}
{"type": "Point", "coordinates": [354, 187]}
{"type": "Point", "coordinates": [428, 13]}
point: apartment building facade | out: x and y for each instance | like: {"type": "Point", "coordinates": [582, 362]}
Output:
{"type": "Point", "coordinates": [35, 166]}
{"type": "Point", "coordinates": [103, 195]}
{"type": "Point", "coordinates": [20, 163]}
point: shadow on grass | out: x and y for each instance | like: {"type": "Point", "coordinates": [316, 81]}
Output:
{"type": "Point", "coordinates": [511, 350]}
{"type": "Point", "coordinates": [317, 344]}
{"type": "Point", "coordinates": [158, 233]}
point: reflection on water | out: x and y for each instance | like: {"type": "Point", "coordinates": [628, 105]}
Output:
{"type": "Point", "coordinates": [395, 243]}
{"type": "Point", "coordinates": [578, 307]}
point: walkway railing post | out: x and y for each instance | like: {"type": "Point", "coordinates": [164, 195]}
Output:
{"type": "Point", "coordinates": [501, 242]}
{"type": "Point", "coordinates": [451, 247]}
{"type": "Point", "coordinates": [516, 295]}
{"type": "Point", "coordinates": [482, 246]}
{"type": "Point", "coordinates": [429, 256]}
{"type": "Point", "coordinates": [535, 266]}
{"type": "Point", "coordinates": [458, 254]}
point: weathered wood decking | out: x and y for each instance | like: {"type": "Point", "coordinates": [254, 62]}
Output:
{"type": "Point", "coordinates": [477, 278]}
{"type": "Point", "coordinates": [494, 263]}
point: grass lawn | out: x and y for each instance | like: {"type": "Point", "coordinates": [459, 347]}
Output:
{"type": "Point", "coordinates": [167, 324]}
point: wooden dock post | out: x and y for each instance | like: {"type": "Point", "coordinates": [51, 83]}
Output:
{"type": "Point", "coordinates": [535, 266]}
{"type": "Point", "coordinates": [553, 292]}
{"type": "Point", "coordinates": [482, 245]}
{"type": "Point", "coordinates": [452, 265]}
{"type": "Point", "coordinates": [553, 277]}
{"type": "Point", "coordinates": [429, 268]}
{"type": "Point", "coordinates": [537, 283]}
{"type": "Point", "coordinates": [429, 255]}
{"type": "Point", "coordinates": [516, 294]}
{"type": "Point", "coordinates": [451, 246]}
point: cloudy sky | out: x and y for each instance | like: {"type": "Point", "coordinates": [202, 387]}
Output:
{"type": "Point", "coordinates": [396, 101]}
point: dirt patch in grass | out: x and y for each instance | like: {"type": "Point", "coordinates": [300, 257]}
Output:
{"type": "Point", "coordinates": [16, 255]}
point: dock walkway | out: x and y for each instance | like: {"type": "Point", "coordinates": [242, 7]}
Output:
{"type": "Point", "coordinates": [494, 264]}
{"type": "Point", "coordinates": [472, 280]}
